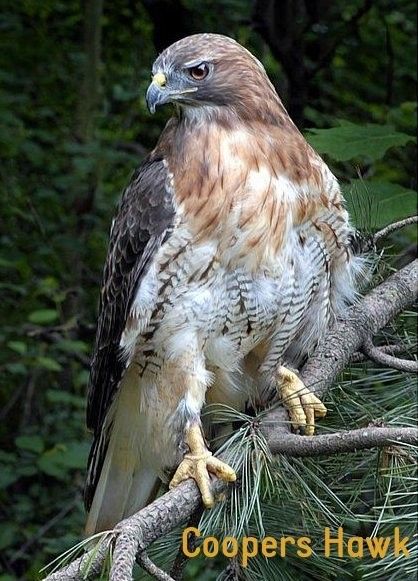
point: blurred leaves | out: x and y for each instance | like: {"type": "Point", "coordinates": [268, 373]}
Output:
{"type": "Point", "coordinates": [48, 363]}
{"type": "Point", "coordinates": [18, 346]}
{"type": "Point", "coordinates": [58, 460]}
{"type": "Point", "coordinates": [352, 141]}
{"type": "Point", "coordinates": [31, 443]}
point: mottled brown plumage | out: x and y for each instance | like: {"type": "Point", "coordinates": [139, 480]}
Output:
{"type": "Point", "coordinates": [229, 256]}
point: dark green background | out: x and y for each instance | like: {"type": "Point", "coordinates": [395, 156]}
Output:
{"type": "Point", "coordinates": [74, 126]}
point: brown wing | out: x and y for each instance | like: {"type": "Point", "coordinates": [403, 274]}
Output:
{"type": "Point", "coordinates": [144, 221]}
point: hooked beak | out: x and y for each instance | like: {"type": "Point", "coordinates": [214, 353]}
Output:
{"type": "Point", "coordinates": [157, 93]}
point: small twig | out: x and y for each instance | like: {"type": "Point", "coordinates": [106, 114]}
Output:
{"type": "Point", "coordinates": [377, 355]}
{"type": "Point", "coordinates": [181, 560]}
{"type": "Point", "coordinates": [393, 227]}
{"type": "Point", "coordinates": [27, 403]}
{"type": "Point", "coordinates": [328, 55]}
{"type": "Point", "coordinates": [359, 357]}
{"type": "Point", "coordinates": [152, 569]}
{"type": "Point", "coordinates": [53, 335]}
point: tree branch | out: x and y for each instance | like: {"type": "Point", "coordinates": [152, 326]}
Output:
{"type": "Point", "coordinates": [368, 317]}
{"type": "Point", "coordinates": [149, 524]}
{"type": "Point", "coordinates": [151, 568]}
{"type": "Point", "coordinates": [85, 567]}
{"type": "Point", "coordinates": [128, 539]}
{"type": "Point", "coordinates": [181, 559]}
{"type": "Point", "coordinates": [341, 442]}
{"type": "Point", "coordinates": [393, 227]}
{"type": "Point", "coordinates": [346, 337]}
{"type": "Point", "coordinates": [378, 356]}
{"type": "Point", "coordinates": [360, 357]}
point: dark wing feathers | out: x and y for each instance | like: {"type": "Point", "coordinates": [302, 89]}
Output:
{"type": "Point", "coordinates": [143, 222]}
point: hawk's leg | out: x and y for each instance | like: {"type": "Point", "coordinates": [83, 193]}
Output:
{"type": "Point", "coordinates": [198, 463]}
{"type": "Point", "coordinates": [303, 405]}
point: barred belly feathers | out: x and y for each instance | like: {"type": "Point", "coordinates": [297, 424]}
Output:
{"type": "Point", "coordinates": [229, 257]}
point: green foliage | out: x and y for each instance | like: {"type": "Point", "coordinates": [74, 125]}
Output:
{"type": "Point", "coordinates": [43, 316]}
{"type": "Point", "coordinates": [372, 202]}
{"type": "Point", "coordinates": [61, 175]}
{"type": "Point", "coordinates": [352, 141]}
{"type": "Point", "coordinates": [384, 202]}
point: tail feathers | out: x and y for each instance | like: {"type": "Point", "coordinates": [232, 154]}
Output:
{"type": "Point", "coordinates": [126, 484]}
{"type": "Point", "coordinates": [119, 494]}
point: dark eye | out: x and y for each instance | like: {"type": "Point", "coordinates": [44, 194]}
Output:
{"type": "Point", "coordinates": [199, 72]}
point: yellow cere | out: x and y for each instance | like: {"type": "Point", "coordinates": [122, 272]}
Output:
{"type": "Point", "coordinates": [159, 79]}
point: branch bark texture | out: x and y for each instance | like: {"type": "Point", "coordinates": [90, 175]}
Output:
{"type": "Point", "coordinates": [341, 442]}
{"type": "Point", "coordinates": [388, 360]}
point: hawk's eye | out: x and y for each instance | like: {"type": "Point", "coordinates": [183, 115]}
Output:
{"type": "Point", "coordinates": [199, 72]}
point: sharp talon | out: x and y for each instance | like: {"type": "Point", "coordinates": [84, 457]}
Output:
{"type": "Point", "coordinates": [303, 405]}
{"type": "Point", "coordinates": [221, 470]}
{"type": "Point", "coordinates": [199, 464]}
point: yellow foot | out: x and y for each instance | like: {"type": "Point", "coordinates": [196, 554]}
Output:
{"type": "Point", "coordinates": [198, 464]}
{"type": "Point", "coordinates": [303, 406]}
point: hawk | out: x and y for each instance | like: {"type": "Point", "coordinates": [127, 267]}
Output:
{"type": "Point", "coordinates": [229, 256]}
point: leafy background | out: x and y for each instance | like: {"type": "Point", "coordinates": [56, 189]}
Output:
{"type": "Point", "coordinates": [74, 126]}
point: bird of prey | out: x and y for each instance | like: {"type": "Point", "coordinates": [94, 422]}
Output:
{"type": "Point", "coordinates": [229, 256]}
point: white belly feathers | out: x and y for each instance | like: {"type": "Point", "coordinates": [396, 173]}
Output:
{"type": "Point", "coordinates": [191, 302]}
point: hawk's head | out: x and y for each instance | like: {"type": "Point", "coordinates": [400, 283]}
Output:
{"type": "Point", "coordinates": [208, 70]}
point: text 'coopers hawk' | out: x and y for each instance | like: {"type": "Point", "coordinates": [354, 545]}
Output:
{"type": "Point", "coordinates": [229, 257]}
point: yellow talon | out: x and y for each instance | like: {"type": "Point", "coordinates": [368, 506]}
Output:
{"type": "Point", "coordinates": [303, 405]}
{"type": "Point", "coordinates": [198, 464]}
